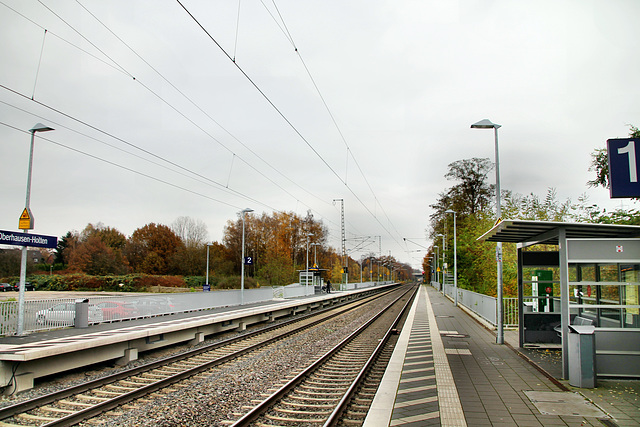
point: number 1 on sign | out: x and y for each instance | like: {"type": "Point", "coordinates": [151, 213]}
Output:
{"type": "Point", "coordinates": [630, 151]}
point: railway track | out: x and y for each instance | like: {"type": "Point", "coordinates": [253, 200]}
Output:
{"type": "Point", "coordinates": [75, 404]}
{"type": "Point", "coordinates": [336, 389]}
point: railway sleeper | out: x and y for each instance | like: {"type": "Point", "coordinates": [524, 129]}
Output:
{"type": "Point", "coordinates": [325, 385]}
{"type": "Point", "coordinates": [362, 401]}
{"type": "Point", "coordinates": [90, 397]}
{"type": "Point", "coordinates": [137, 382]}
{"type": "Point", "coordinates": [307, 405]}
{"type": "Point", "coordinates": [105, 393]}
{"type": "Point", "coordinates": [75, 404]}
{"type": "Point", "coordinates": [153, 376]}
{"type": "Point", "coordinates": [3, 424]}
{"type": "Point", "coordinates": [37, 418]}
{"type": "Point", "coordinates": [338, 369]}
{"type": "Point", "coordinates": [348, 422]}
{"type": "Point", "coordinates": [359, 410]}
{"type": "Point", "coordinates": [358, 415]}
{"type": "Point", "coordinates": [328, 379]}
{"type": "Point", "coordinates": [311, 399]}
{"type": "Point", "coordinates": [317, 393]}
{"type": "Point", "coordinates": [119, 388]}
{"type": "Point", "coordinates": [301, 412]}
{"type": "Point", "coordinates": [295, 421]}
{"type": "Point", "coordinates": [57, 410]}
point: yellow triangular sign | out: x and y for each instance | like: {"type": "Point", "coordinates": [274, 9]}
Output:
{"type": "Point", "coordinates": [26, 220]}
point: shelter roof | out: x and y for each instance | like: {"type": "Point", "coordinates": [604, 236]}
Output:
{"type": "Point", "coordinates": [535, 232]}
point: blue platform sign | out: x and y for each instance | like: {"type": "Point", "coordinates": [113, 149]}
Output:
{"type": "Point", "coordinates": [624, 159]}
{"type": "Point", "coordinates": [27, 239]}
{"type": "Point", "coordinates": [248, 260]}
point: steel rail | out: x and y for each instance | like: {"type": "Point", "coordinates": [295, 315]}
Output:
{"type": "Point", "coordinates": [81, 415]}
{"type": "Point", "coordinates": [336, 414]}
{"type": "Point", "coordinates": [266, 404]}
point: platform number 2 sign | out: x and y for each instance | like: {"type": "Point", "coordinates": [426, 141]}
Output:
{"type": "Point", "coordinates": [622, 155]}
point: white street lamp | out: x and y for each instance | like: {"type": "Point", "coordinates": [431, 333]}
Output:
{"type": "Point", "coordinates": [315, 252]}
{"type": "Point", "coordinates": [38, 127]}
{"type": "Point", "coordinates": [437, 248]}
{"type": "Point", "coordinates": [306, 277]}
{"type": "Point", "coordinates": [207, 274]}
{"type": "Point", "coordinates": [444, 247]}
{"type": "Point", "coordinates": [455, 258]}
{"type": "Point", "coordinates": [487, 124]}
{"type": "Point", "coordinates": [243, 212]}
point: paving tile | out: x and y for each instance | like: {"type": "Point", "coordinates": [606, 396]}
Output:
{"type": "Point", "coordinates": [489, 380]}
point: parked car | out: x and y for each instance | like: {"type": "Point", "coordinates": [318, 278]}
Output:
{"type": "Point", "coordinates": [113, 310]}
{"type": "Point", "coordinates": [65, 313]}
{"type": "Point", "coordinates": [151, 306]}
{"type": "Point", "coordinates": [27, 286]}
{"type": "Point", "coordinates": [4, 287]}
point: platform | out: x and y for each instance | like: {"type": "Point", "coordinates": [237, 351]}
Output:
{"type": "Point", "coordinates": [447, 370]}
{"type": "Point", "coordinates": [26, 358]}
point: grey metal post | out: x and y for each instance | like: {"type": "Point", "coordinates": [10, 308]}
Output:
{"type": "Point", "coordinates": [455, 258]}
{"type": "Point", "coordinates": [500, 300]}
{"type": "Point", "coordinates": [244, 212]}
{"type": "Point", "coordinates": [207, 274]}
{"type": "Point", "coordinates": [39, 127]}
{"type": "Point", "coordinates": [487, 124]}
{"type": "Point", "coordinates": [564, 299]}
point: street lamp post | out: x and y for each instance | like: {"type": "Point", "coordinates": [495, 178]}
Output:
{"type": "Point", "coordinates": [306, 277]}
{"type": "Point", "coordinates": [433, 269]}
{"type": "Point", "coordinates": [487, 124]}
{"type": "Point", "coordinates": [455, 258]}
{"type": "Point", "coordinates": [39, 127]}
{"type": "Point", "coordinates": [243, 212]}
{"type": "Point", "coordinates": [207, 274]}
{"type": "Point", "coordinates": [444, 246]}
{"type": "Point", "coordinates": [437, 248]}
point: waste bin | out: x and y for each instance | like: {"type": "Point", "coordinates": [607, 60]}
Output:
{"type": "Point", "coordinates": [81, 319]}
{"type": "Point", "coordinates": [582, 356]}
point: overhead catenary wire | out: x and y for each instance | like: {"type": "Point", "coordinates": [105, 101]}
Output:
{"type": "Point", "coordinates": [122, 69]}
{"type": "Point", "coordinates": [84, 153]}
{"type": "Point", "coordinates": [285, 118]}
{"type": "Point", "coordinates": [35, 83]}
{"type": "Point", "coordinates": [192, 102]}
{"type": "Point", "coordinates": [190, 175]}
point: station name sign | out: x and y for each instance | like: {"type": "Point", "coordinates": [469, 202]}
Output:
{"type": "Point", "coordinates": [25, 239]}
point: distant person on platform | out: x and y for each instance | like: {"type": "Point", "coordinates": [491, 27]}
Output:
{"type": "Point", "coordinates": [328, 286]}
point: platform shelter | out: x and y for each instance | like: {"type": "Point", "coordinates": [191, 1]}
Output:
{"type": "Point", "coordinates": [591, 276]}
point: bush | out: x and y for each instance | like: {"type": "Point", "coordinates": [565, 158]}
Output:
{"type": "Point", "coordinates": [84, 282]}
{"type": "Point", "coordinates": [234, 282]}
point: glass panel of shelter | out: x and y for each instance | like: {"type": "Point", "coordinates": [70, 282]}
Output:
{"type": "Point", "coordinates": [611, 289]}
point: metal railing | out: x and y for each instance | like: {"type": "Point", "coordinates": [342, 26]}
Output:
{"type": "Point", "coordinates": [56, 313]}
{"type": "Point", "coordinates": [46, 314]}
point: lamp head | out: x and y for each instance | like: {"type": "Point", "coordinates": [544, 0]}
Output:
{"type": "Point", "coordinates": [485, 124]}
{"type": "Point", "coordinates": [39, 127]}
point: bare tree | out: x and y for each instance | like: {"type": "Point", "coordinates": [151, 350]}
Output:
{"type": "Point", "coordinates": [192, 232]}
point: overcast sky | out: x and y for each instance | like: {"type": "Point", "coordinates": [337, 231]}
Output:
{"type": "Point", "coordinates": [365, 101]}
